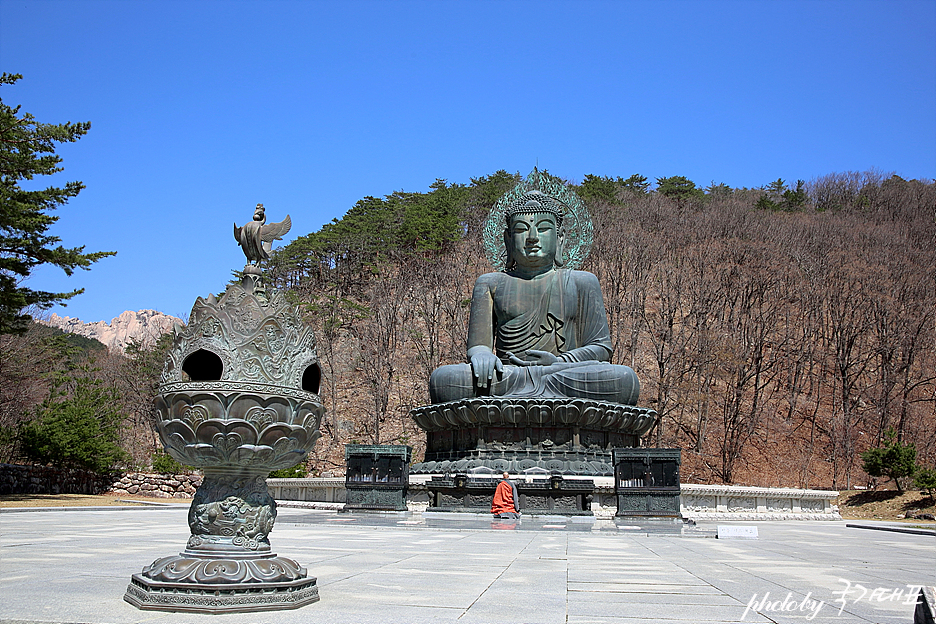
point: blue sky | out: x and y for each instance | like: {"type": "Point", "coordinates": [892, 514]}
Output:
{"type": "Point", "coordinates": [200, 110]}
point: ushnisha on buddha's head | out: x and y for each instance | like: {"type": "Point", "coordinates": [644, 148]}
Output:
{"type": "Point", "coordinates": [533, 233]}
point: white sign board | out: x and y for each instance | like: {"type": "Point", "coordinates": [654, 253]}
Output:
{"type": "Point", "coordinates": [733, 531]}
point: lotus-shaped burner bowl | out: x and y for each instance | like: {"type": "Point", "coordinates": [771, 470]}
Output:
{"type": "Point", "coordinates": [207, 428]}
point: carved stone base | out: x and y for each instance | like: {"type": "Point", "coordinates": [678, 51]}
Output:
{"type": "Point", "coordinates": [568, 436]}
{"type": "Point", "coordinates": [375, 498]}
{"type": "Point", "coordinates": [648, 504]}
{"type": "Point", "coordinates": [193, 584]}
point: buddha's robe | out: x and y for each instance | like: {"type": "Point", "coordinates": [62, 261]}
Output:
{"type": "Point", "coordinates": [562, 313]}
{"type": "Point", "coordinates": [505, 499]}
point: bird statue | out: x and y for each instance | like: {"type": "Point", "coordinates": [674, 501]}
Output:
{"type": "Point", "coordinates": [256, 237]}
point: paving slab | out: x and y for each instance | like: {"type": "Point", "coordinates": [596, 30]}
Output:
{"type": "Point", "coordinates": [73, 567]}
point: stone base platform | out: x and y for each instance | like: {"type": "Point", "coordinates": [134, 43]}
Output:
{"type": "Point", "coordinates": [555, 495]}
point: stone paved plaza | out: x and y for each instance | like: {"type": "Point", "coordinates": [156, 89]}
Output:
{"type": "Point", "coordinates": [73, 566]}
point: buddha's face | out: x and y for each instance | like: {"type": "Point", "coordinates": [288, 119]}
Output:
{"type": "Point", "coordinates": [534, 239]}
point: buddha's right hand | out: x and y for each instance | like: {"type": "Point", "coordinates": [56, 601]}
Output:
{"type": "Point", "coordinates": [483, 366]}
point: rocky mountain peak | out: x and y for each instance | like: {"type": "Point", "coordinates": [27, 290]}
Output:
{"type": "Point", "coordinates": [144, 326]}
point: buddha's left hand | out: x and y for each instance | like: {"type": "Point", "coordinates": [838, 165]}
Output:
{"type": "Point", "coordinates": [533, 358]}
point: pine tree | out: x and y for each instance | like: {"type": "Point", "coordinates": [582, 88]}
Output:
{"type": "Point", "coordinates": [27, 149]}
{"type": "Point", "coordinates": [892, 459]}
{"type": "Point", "coordinates": [78, 425]}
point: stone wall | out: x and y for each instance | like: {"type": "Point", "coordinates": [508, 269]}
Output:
{"type": "Point", "coordinates": [317, 489]}
{"type": "Point", "coordinates": [16, 479]}
{"type": "Point", "coordinates": [722, 502]}
{"type": "Point", "coordinates": [156, 485]}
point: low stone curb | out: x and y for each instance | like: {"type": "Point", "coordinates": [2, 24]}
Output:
{"type": "Point", "coordinates": [141, 504]}
{"type": "Point", "coordinates": [893, 529]}
{"type": "Point", "coordinates": [310, 505]}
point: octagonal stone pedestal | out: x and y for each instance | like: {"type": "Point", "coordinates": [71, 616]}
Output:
{"type": "Point", "coordinates": [564, 436]}
{"type": "Point", "coordinates": [219, 598]}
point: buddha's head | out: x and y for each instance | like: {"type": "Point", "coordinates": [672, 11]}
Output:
{"type": "Point", "coordinates": [533, 234]}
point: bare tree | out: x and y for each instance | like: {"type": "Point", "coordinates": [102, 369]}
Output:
{"type": "Point", "coordinates": [25, 362]}
{"type": "Point", "coordinates": [381, 334]}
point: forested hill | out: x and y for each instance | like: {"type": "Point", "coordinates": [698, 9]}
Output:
{"type": "Point", "coordinates": [779, 331]}
{"type": "Point", "coordinates": [400, 225]}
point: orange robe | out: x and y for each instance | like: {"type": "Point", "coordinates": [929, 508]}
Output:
{"type": "Point", "coordinates": [504, 498]}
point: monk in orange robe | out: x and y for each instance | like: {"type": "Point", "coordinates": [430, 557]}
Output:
{"type": "Point", "coordinates": [505, 499]}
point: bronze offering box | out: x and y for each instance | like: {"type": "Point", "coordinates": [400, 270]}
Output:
{"type": "Point", "coordinates": [376, 477]}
